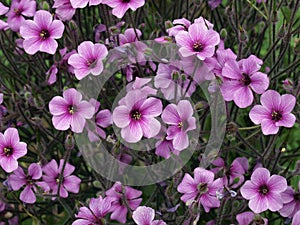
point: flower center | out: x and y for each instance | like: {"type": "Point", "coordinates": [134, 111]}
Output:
{"type": "Point", "coordinates": [263, 189]}
{"type": "Point", "coordinates": [91, 63]}
{"type": "Point", "coordinates": [8, 151]}
{"type": "Point", "coordinates": [136, 115]}
{"type": "Point", "coordinates": [198, 47]}
{"type": "Point", "coordinates": [297, 196]}
{"type": "Point", "coordinates": [71, 109]}
{"type": "Point", "coordinates": [29, 180]}
{"type": "Point", "coordinates": [276, 116]}
{"type": "Point", "coordinates": [18, 12]}
{"type": "Point", "coordinates": [180, 124]}
{"type": "Point", "coordinates": [125, 1]}
{"type": "Point", "coordinates": [246, 80]}
{"type": "Point", "coordinates": [44, 34]}
{"type": "Point", "coordinates": [202, 188]}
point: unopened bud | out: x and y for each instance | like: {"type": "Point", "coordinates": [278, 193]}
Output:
{"type": "Point", "coordinates": [168, 24]}
{"type": "Point", "coordinates": [69, 142]}
{"type": "Point", "coordinates": [297, 45]}
{"type": "Point", "coordinates": [39, 102]}
{"type": "Point", "coordinates": [223, 34]}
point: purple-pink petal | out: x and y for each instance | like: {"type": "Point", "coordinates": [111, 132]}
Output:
{"type": "Point", "coordinates": [35, 171]}
{"type": "Point", "coordinates": [27, 195]}
{"type": "Point", "coordinates": [259, 113]}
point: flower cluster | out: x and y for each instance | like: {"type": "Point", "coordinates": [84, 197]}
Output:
{"type": "Point", "coordinates": [210, 100]}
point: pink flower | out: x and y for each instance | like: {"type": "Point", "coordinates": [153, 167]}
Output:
{"type": "Point", "coordinates": [145, 216]}
{"type": "Point", "coordinates": [117, 193]}
{"type": "Point", "coordinates": [83, 3]}
{"type": "Point", "coordinates": [248, 218]}
{"type": "Point", "coordinates": [169, 79]}
{"type": "Point", "coordinates": [135, 116]}
{"type": "Point", "coordinates": [95, 213]}
{"type": "Point", "coordinates": [233, 175]}
{"type": "Point", "coordinates": [11, 149]}
{"type": "Point", "coordinates": [69, 183]}
{"type": "Point", "coordinates": [88, 60]}
{"type": "Point", "coordinates": [51, 74]}
{"type": "Point", "coordinates": [181, 120]}
{"type": "Point", "coordinates": [70, 111]}
{"type": "Point", "coordinates": [129, 36]}
{"type": "Point", "coordinates": [198, 40]}
{"type": "Point", "coordinates": [1, 98]}
{"type": "Point", "coordinates": [18, 9]}
{"type": "Point", "coordinates": [274, 112]}
{"type": "Point", "coordinates": [121, 6]}
{"type": "Point", "coordinates": [200, 189]}
{"type": "Point", "coordinates": [263, 191]}
{"type": "Point", "coordinates": [216, 63]}
{"type": "Point", "coordinates": [179, 25]}
{"type": "Point", "coordinates": [240, 78]}
{"type": "Point", "coordinates": [163, 146]}
{"type": "Point", "coordinates": [291, 202]}
{"type": "Point", "coordinates": [19, 179]}
{"type": "Point", "coordinates": [40, 34]}
{"type": "Point", "coordinates": [64, 9]}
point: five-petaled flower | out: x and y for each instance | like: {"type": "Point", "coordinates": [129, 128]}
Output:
{"type": "Point", "coordinates": [119, 193]}
{"type": "Point", "coordinates": [70, 111]}
{"type": "Point", "coordinates": [18, 9]}
{"type": "Point", "coordinates": [240, 78]}
{"type": "Point", "coordinates": [180, 120]}
{"type": "Point", "coordinates": [55, 177]}
{"type": "Point", "coordinates": [40, 34]}
{"type": "Point", "coordinates": [274, 112]}
{"type": "Point", "coordinates": [135, 116]}
{"type": "Point", "coordinates": [95, 213]}
{"type": "Point", "coordinates": [11, 149]}
{"type": "Point", "coordinates": [198, 40]}
{"type": "Point", "coordinates": [19, 179]}
{"type": "Point", "coordinates": [88, 59]}
{"type": "Point", "coordinates": [200, 189]}
{"type": "Point", "coordinates": [264, 191]}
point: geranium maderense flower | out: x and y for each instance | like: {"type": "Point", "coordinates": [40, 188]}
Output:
{"type": "Point", "coordinates": [291, 202]}
{"type": "Point", "coordinates": [233, 175]}
{"type": "Point", "coordinates": [117, 193]}
{"type": "Point", "coordinates": [145, 216]}
{"type": "Point", "coordinates": [11, 149]}
{"type": "Point", "coordinates": [248, 218]}
{"type": "Point", "coordinates": [70, 111]}
{"type": "Point", "coordinates": [69, 183]}
{"type": "Point", "coordinates": [121, 6]}
{"type": "Point", "coordinates": [240, 78]}
{"type": "Point", "coordinates": [135, 116]}
{"type": "Point", "coordinates": [40, 34]}
{"type": "Point", "coordinates": [18, 9]}
{"type": "Point", "coordinates": [200, 189]}
{"type": "Point", "coordinates": [83, 3]}
{"type": "Point", "coordinates": [264, 191]}
{"type": "Point", "coordinates": [198, 40]}
{"type": "Point", "coordinates": [19, 179]}
{"type": "Point", "coordinates": [64, 9]}
{"type": "Point", "coordinates": [88, 59]}
{"type": "Point", "coordinates": [181, 120]}
{"type": "Point", "coordinates": [274, 111]}
{"type": "Point", "coordinates": [94, 214]}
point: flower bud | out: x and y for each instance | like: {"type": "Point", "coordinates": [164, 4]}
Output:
{"type": "Point", "coordinates": [223, 34]}
{"type": "Point", "coordinates": [69, 142]}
